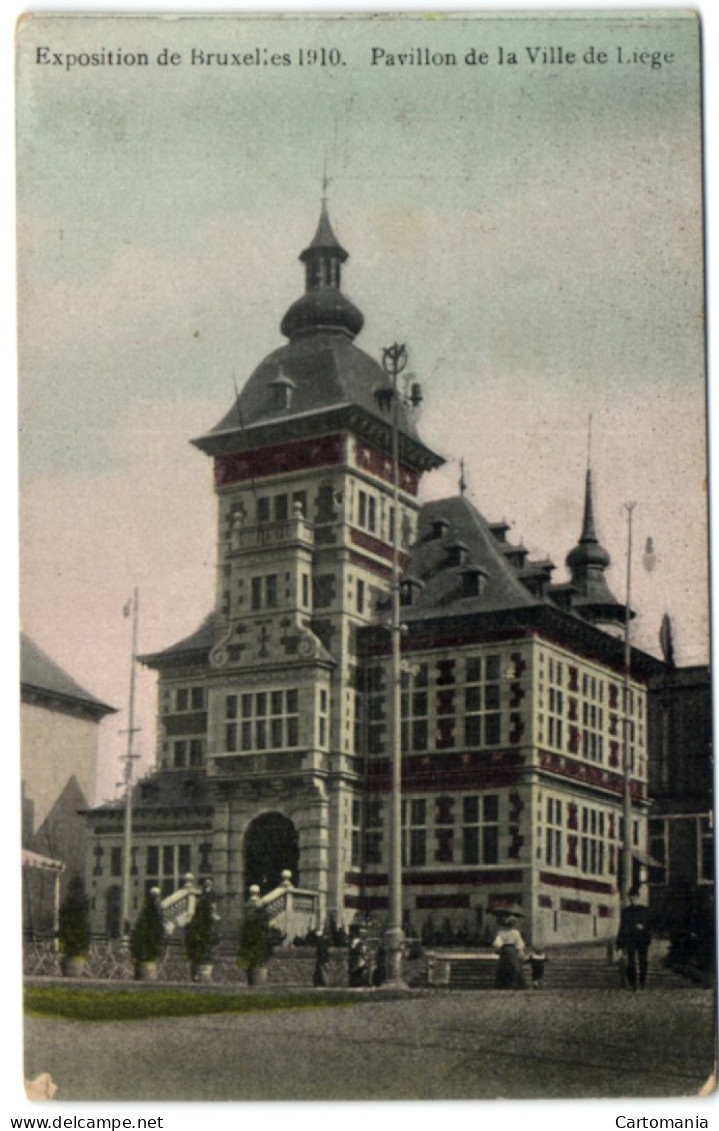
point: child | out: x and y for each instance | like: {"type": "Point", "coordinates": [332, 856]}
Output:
{"type": "Point", "coordinates": [537, 960]}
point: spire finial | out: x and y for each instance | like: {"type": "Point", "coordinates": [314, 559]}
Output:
{"type": "Point", "coordinates": [462, 480]}
{"type": "Point", "coordinates": [589, 443]}
{"type": "Point", "coordinates": [325, 180]}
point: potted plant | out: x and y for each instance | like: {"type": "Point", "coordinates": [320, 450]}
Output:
{"type": "Point", "coordinates": [74, 929]}
{"type": "Point", "coordinates": [147, 940]}
{"type": "Point", "coordinates": [255, 947]}
{"type": "Point", "coordinates": [201, 935]}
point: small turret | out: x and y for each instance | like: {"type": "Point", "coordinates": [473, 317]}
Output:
{"type": "Point", "coordinates": [323, 308]}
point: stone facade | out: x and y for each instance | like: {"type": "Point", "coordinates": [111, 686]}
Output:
{"type": "Point", "coordinates": [275, 717]}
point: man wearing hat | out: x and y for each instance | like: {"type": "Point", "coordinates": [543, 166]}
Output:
{"type": "Point", "coordinates": [634, 938]}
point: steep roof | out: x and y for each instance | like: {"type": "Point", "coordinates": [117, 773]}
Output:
{"type": "Point", "coordinates": [320, 380]}
{"type": "Point", "coordinates": [199, 641]}
{"type": "Point", "coordinates": [42, 677]}
{"type": "Point", "coordinates": [454, 538]}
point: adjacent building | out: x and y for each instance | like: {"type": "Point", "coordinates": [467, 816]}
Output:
{"type": "Point", "coordinates": [681, 778]}
{"type": "Point", "coordinates": [59, 723]}
{"type": "Point", "coordinates": [274, 717]}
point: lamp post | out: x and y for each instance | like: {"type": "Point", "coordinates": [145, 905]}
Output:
{"type": "Point", "coordinates": [394, 361]}
{"type": "Point", "coordinates": [627, 760]}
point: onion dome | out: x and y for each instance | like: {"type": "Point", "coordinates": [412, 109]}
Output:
{"type": "Point", "coordinates": [322, 308]}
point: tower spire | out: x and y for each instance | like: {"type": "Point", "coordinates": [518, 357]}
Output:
{"type": "Point", "coordinates": [323, 307]}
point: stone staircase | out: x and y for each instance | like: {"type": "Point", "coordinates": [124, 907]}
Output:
{"type": "Point", "coordinates": [567, 968]}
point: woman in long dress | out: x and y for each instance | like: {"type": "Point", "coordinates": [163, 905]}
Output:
{"type": "Point", "coordinates": [510, 945]}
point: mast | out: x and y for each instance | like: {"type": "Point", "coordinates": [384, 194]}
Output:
{"type": "Point", "coordinates": [130, 757]}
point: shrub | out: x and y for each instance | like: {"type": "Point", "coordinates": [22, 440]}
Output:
{"type": "Point", "coordinates": [147, 941]}
{"type": "Point", "coordinates": [201, 932]}
{"type": "Point", "coordinates": [74, 926]}
{"type": "Point", "coordinates": [255, 946]}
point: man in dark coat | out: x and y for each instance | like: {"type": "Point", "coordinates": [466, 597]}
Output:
{"type": "Point", "coordinates": [634, 938]}
{"type": "Point", "coordinates": [322, 959]}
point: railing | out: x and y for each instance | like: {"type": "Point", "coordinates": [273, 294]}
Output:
{"type": "Point", "coordinates": [295, 529]}
{"type": "Point", "coordinates": [179, 907]}
{"type": "Point", "coordinates": [293, 911]}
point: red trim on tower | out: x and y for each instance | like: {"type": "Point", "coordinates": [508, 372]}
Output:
{"type": "Point", "coordinates": [370, 564]}
{"type": "Point", "coordinates": [322, 451]}
{"type": "Point", "coordinates": [370, 460]}
{"type": "Point", "coordinates": [367, 542]}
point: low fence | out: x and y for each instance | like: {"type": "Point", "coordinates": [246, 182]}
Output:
{"type": "Point", "coordinates": [110, 960]}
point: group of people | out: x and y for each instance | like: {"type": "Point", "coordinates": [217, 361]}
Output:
{"type": "Point", "coordinates": [632, 942]}
{"type": "Point", "coordinates": [364, 967]}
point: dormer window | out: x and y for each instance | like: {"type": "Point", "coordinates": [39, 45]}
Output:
{"type": "Point", "coordinates": [458, 553]}
{"type": "Point", "coordinates": [282, 389]}
{"type": "Point", "coordinates": [410, 590]}
{"type": "Point", "coordinates": [472, 579]}
{"type": "Point", "coordinates": [440, 526]}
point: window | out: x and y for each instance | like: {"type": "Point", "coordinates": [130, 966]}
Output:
{"type": "Point", "coordinates": [356, 833]}
{"type": "Point", "coordinates": [263, 509]}
{"type": "Point", "coordinates": [182, 698]}
{"type": "Point", "coordinates": [480, 829]}
{"type": "Point", "coordinates": [360, 596]}
{"type": "Point", "coordinates": [367, 511]}
{"type": "Point", "coordinates": [115, 861]}
{"type": "Point", "coordinates": [376, 718]}
{"type": "Point", "coordinates": [444, 830]}
{"type": "Point", "coordinates": [264, 592]}
{"type": "Point", "coordinates": [482, 718]}
{"type": "Point", "coordinates": [415, 709]}
{"type": "Point", "coordinates": [267, 720]}
{"type": "Point", "coordinates": [167, 865]}
{"type": "Point", "coordinates": [230, 722]}
{"type": "Point", "coordinates": [322, 718]}
{"type": "Point", "coordinates": [271, 591]}
{"type": "Point", "coordinates": [281, 508]}
{"type": "Point", "coordinates": [706, 850]}
{"type": "Point", "coordinates": [658, 845]}
{"type": "Point", "coordinates": [414, 832]}
{"type": "Point", "coordinates": [592, 841]}
{"type": "Point", "coordinates": [373, 833]}
{"type": "Point", "coordinates": [553, 832]}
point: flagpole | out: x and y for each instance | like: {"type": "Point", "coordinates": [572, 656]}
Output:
{"type": "Point", "coordinates": [129, 758]}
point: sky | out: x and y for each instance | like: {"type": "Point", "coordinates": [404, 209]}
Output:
{"type": "Point", "coordinates": [533, 232]}
{"type": "Point", "coordinates": [534, 236]}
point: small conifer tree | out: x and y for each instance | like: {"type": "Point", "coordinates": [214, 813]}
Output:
{"type": "Point", "coordinates": [147, 940]}
{"type": "Point", "coordinates": [74, 924]}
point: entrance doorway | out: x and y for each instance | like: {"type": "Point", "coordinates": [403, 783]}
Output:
{"type": "Point", "coordinates": [271, 846]}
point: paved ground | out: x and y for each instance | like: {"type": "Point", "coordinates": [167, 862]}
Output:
{"type": "Point", "coordinates": [442, 1045]}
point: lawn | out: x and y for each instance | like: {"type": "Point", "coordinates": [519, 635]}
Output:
{"type": "Point", "coordinates": [77, 1004]}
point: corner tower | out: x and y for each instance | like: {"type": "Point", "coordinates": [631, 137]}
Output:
{"type": "Point", "coordinates": [304, 479]}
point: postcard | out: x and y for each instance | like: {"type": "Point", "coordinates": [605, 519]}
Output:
{"type": "Point", "coordinates": [365, 686]}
